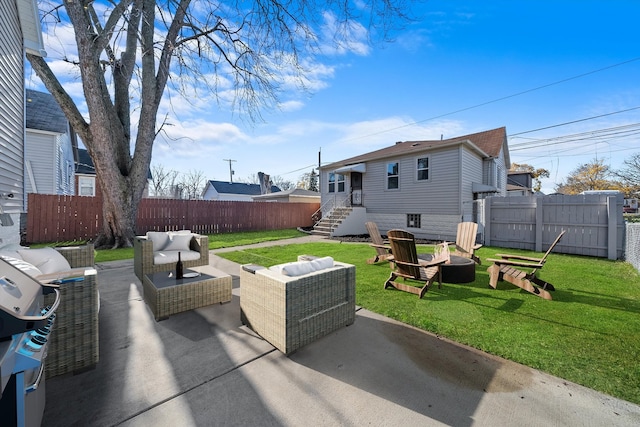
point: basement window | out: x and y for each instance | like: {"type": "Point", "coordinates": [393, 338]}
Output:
{"type": "Point", "coordinates": [413, 220]}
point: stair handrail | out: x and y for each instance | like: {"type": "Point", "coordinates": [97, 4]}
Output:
{"type": "Point", "coordinates": [330, 205]}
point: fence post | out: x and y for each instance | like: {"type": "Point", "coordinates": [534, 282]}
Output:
{"type": "Point", "coordinates": [487, 221]}
{"type": "Point", "coordinates": [539, 223]}
{"type": "Point", "coordinates": [612, 243]}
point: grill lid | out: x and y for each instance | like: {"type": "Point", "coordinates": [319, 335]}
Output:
{"type": "Point", "coordinates": [21, 301]}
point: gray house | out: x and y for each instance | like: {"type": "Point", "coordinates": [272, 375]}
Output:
{"type": "Point", "coordinates": [425, 187]}
{"type": "Point", "coordinates": [20, 32]}
{"type": "Point", "coordinates": [49, 146]}
{"type": "Point", "coordinates": [233, 191]}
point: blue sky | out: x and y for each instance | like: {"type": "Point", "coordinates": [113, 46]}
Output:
{"type": "Point", "coordinates": [462, 67]}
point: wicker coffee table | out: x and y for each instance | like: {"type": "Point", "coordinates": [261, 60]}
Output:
{"type": "Point", "coordinates": [166, 296]}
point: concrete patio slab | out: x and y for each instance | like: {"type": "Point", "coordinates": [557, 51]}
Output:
{"type": "Point", "coordinates": [203, 368]}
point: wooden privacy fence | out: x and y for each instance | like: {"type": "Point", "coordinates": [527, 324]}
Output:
{"type": "Point", "coordinates": [594, 223]}
{"type": "Point", "coordinates": [56, 218]}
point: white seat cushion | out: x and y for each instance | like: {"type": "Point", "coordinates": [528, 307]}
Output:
{"type": "Point", "coordinates": [47, 260]}
{"type": "Point", "coordinates": [166, 257]}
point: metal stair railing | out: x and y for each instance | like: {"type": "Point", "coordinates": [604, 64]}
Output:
{"type": "Point", "coordinates": [330, 206]}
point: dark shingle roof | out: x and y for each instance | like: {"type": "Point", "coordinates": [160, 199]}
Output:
{"type": "Point", "coordinates": [44, 113]}
{"type": "Point", "coordinates": [489, 142]}
{"type": "Point", "coordinates": [85, 164]}
{"type": "Point", "coordinates": [239, 188]}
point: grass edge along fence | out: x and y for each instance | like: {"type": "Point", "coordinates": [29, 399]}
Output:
{"type": "Point", "coordinates": [55, 218]}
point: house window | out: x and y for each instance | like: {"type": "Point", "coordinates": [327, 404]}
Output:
{"type": "Point", "coordinates": [413, 220]}
{"type": "Point", "coordinates": [423, 169]}
{"type": "Point", "coordinates": [336, 183]}
{"type": "Point", "coordinates": [86, 186]}
{"type": "Point", "coordinates": [392, 175]}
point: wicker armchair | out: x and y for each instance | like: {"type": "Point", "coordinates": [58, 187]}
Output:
{"type": "Point", "coordinates": [291, 312]}
{"type": "Point", "coordinates": [74, 339]}
{"type": "Point", "coordinates": [143, 255]}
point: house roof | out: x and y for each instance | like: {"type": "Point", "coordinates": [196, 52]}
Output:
{"type": "Point", "coordinates": [85, 164]}
{"type": "Point", "coordinates": [30, 25]}
{"type": "Point", "coordinates": [239, 188]}
{"type": "Point", "coordinates": [296, 192]}
{"type": "Point", "coordinates": [487, 143]}
{"type": "Point", "coordinates": [44, 113]}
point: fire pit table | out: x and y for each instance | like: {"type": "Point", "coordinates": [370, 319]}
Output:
{"type": "Point", "coordinates": [201, 286]}
{"type": "Point", "coordinates": [458, 270]}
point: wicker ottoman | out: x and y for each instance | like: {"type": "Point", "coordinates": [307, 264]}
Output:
{"type": "Point", "coordinates": [291, 312]}
{"type": "Point", "coordinates": [167, 296]}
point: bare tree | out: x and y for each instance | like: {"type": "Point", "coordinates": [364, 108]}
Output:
{"type": "Point", "coordinates": [127, 49]}
{"type": "Point", "coordinates": [282, 183]}
{"type": "Point", "coordinates": [192, 184]}
{"type": "Point", "coordinates": [308, 181]}
{"type": "Point", "coordinates": [162, 180]}
{"type": "Point", "coordinates": [630, 176]}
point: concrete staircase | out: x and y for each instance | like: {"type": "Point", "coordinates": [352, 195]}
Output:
{"type": "Point", "coordinates": [331, 221]}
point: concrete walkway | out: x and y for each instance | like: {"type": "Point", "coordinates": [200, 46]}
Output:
{"type": "Point", "coordinates": [203, 368]}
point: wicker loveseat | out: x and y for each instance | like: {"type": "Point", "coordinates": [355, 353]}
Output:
{"type": "Point", "coordinates": [73, 343]}
{"type": "Point", "coordinates": [158, 251]}
{"type": "Point", "coordinates": [291, 311]}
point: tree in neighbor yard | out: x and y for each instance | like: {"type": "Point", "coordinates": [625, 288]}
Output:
{"type": "Point", "coordinates": [590, 176]}
{"type": "Point", "coordinates": [537, 174]}
{"type": "Point", "coordinates": [128, 51]}
{"type": "Point", "coordinates": [630, 176]}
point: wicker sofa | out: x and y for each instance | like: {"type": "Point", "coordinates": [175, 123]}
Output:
{"type": "Point", "coordinates": [73, 343]}
{"type": "Point", "coordinates": [158, 251]}
{"type": "Point", "coordinates": [291, 311]}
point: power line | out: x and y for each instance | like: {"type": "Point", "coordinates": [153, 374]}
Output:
{"type": "Point", "coordinates": [497, 99]}
{"type": "Point", "coordinates": [575, 121]}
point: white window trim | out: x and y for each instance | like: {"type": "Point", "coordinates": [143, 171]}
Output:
{"type": "Point", "coordinates": [428, 169]}
{"type": "Point", "coordinates": [336, 183]}
{"type": "Point", "coordinates": [87, 182]}
{"type": "Point", "coordinates": [387, 176]}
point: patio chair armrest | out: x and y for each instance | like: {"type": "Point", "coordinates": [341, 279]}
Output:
{"type": "Point", "coordinates": [520, 257]}
{"type": "Point", "coordinates": [373, 245]}
{"type": "Point", "coordinates": [515, 263]}
{"type": "Point", "coordinates": [423, 263]}
{"type": "Point", "coordinates": [476, 246]}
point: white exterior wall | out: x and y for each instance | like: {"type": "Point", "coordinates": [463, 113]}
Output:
{"type": "Point", "coordinates": [433, 227]}
{"type": "Point", "coordinates": [12, 123]}
{"type": "Point", "coordinates": [41, 160]}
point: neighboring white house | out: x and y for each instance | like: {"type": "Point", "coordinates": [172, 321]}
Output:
{"type": "Point", "coordinates": [49, 161]}
{"type": "Point", "coordinates": [20, 32]}
{"type": "Point", "coordinates": [425, 187]}
{"type": "Point", "coordinates": [233, 191]}
{"type": "Point", "coordinates": [297, 195]}
{"type": "Point", "coordinates": [85, 175]}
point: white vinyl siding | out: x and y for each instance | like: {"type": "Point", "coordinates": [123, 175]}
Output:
{"type": "Point", "coordinates": [11, 109]}
{"type": "Point", "coordinates": [438, 195]}
{"type": "Point", "coordinates": [41, 156]}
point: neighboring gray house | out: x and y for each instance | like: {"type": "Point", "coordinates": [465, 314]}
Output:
{"type": "Point", "coordinates": [297, 195]}
{"type": "Point", "coordinates": [20, 32]}
{"type": "Point", "coordinates": [425, 187]}
{"type": "Point", "coordinates": [233, 191]}
{"type": "Point", "coordinates": [519, 184]}
{"type": "Point", "coordinates": [49, 147]}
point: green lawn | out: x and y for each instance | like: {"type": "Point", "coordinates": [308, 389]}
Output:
{"type": "Point", "coordinates": [588, 334]}
{"type": "Point", "coordinates": [216, 241]}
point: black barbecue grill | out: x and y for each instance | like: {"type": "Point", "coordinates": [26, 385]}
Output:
{"type": "Point", "coordinates": [25, 324]}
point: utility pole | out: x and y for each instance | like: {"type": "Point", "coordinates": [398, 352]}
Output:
{"type": "Point", "coordinates": [230, 170]}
